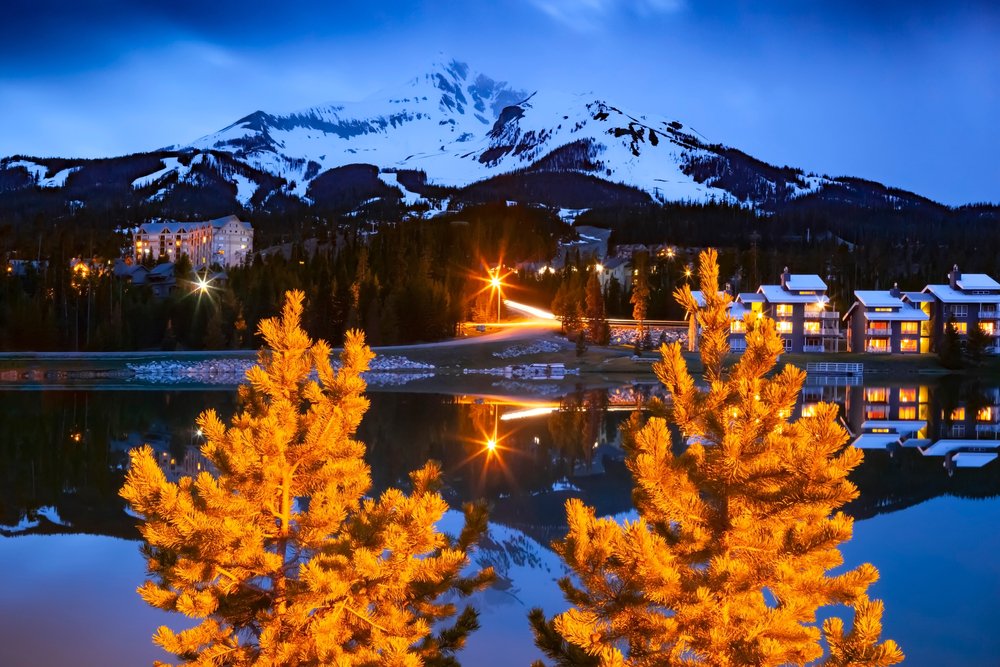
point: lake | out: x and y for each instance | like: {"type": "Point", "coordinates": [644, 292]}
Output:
{"type": "Point", "coordinates": [926, 516]}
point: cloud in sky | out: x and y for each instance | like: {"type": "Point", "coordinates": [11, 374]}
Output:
{"type": "Point", "coordinates": [587, 16]}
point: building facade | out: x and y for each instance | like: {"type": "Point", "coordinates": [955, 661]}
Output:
{"type": "Point", "coordinates": [225, 241]}
{"type": "Point", "coordinates": [969, 300]}
{"type": "Point", "coordinates": [881, 322]}
{"type": "Point", "coordinates": [800, 308]}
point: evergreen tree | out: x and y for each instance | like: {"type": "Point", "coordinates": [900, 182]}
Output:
{"type": "Point", "coordinates": [279, 551]}
{"type": "Point", "coordinates": [976, 343]}
{"type": "Point", "coordinates": [597, 320]}
{"type": "Point", "coordinates": [640, 295]}
{"type": "Point", "coordinates": [729, 560]}
{"type": "Point", "coordinates": [950, 347]}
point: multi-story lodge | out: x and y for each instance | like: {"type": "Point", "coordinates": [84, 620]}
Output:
{"type": "Point", "coordinates": [799, 307]}
{"type": "Point", "coordinates": [226, 241]}
{"type": "Point", "coordinates": [970, 300]}
{"type": "Point", "coordinates": [882, 322]}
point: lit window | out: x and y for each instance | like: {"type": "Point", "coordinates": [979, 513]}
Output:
{"type": "Point", "coordinates": [961, 327]}
{"type": "Point", "coordinates": [884, 310]}
{"type": "Point", "coordinates": [908, 395]}
{"type": "Point", "coordinates": [736, 326]}
{"type": "Point", "coordinates": [876, 412]}
{"type": "Point", "coordinates": [987, 328]}
{"type": "Point", "coordinates": [876, 394]}
{"type": "Point", "coordinates": [908, 345]}
{"type": "Point", "coordinates": [908, 327]}
{"type": "Point", "coordinates": [783, 310]}
{"type": "Point", "coordinates": [784, 326]}
{"type": "Point", "coordinates": [877, 345]}
{"type": "Point", "coordinates": [811, 327]}
{"type": "Point", "coordinates": [908, 412]}
{"type": "Point", "coordinates": [957, 414]}
{"type": "Point", "coordinates": [985, 414]}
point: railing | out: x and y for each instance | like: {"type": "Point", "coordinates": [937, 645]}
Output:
{"type": "Point", "coordinates": [812, 348]}
{"type": "Point", "coordinates": [829, 331]}
{"type": "Point", "coordinates": [834, 368]}
{"type": "Point", "coordinates": [822, 315]}
{"type": "Point", "coordinates": [878, 332]}
{"type": "Point", "coordinates": [988, 314]}
{"type": "Point", "coordinates": [877, 350]}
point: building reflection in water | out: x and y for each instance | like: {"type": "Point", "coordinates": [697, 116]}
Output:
{"type": "Point", "coordinates": [959, 424]}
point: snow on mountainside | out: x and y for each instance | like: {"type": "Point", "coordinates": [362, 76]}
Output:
{"type": "Point", "coordinates": [448, 137]}
{"type": "Point", "coordinates": [460, 127]}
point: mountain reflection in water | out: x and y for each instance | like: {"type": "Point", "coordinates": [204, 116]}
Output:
{"type": "Point", "coordinates": [62, 455]}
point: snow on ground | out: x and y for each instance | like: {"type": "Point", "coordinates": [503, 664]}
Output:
{"type": "Point", "coordinates": [628, 335]}
{"type": "Point", "coordinates": [385, 370]}
{"type": "Point", "coordinates": [37, 171]}
{"type": "Point", "coordinates": [536, 347]}
{"type": "Point", "coordinates": [245, 188]}
{"type": "Point", "coordinates": [410, 198]}
{"type": "Point", "coordinates": [169, 164]}
{"type": "Point", "coordinates": [418, 126]}
{"type": "Point", "coordinates": [59, 179]}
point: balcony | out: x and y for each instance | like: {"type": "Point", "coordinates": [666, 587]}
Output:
{"type": "Point", "coordinates": [876, 349]}
{"type": "Point", "coordinates": [989, 314]}
{"type": "Point", "coordinates": [871, 331]}
{"type": "Point", "coordinates": [822, 315]}
{"type": "Point", "coordinates": [812, 348]}
{"type": "Point", "coordinates": [829, 331]}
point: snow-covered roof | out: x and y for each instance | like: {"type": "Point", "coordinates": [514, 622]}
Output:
{"type": "Point", "coordinates": [945, 294]}
{"type": "Point", "coordinates": [918, 297]}
{"type": "Point", "coordinates": [736, 310]}
{"type": "Point", "coordinates": [775, 294]}
{"type": "Point", "coordinates": [805, 281]}
{"type": "Point", "coordinates": [877, 298]}
{"type": "Point", "coordinates": [750, 297]}
{"type": "Point", "coordinates": [977, 281]}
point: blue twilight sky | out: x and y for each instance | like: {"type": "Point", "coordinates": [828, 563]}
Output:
{"type": "Point", "coordinates": [904, 92]}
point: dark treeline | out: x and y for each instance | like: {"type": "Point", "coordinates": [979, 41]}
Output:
{"type": "Point", "coordinates": [407, 282]}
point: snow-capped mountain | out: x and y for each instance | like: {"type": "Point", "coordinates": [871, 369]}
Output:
{"type": "Point", "coordinates": [448, 137]}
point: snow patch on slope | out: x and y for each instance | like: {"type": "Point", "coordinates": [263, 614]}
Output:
{"type": "Point", "coordinates": [169, 164]}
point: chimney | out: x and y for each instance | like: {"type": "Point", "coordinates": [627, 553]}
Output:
{"type": "Point", "coordinates": [954, 277]}
{"type": "Point", "coordinates": [728, 289]}
{"type": "Point", "coordinates": [895, 291]}
{"type": "Point", "coordinates": [785, 277]}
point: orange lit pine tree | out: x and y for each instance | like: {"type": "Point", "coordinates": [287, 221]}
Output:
{"type": "Point", "coordinates": [731, 555]}
{"type": "Point", "coordinates": [280, 554]}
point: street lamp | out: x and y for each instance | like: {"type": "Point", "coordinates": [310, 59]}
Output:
{"type": "Point", "coordinates": [496, 283]}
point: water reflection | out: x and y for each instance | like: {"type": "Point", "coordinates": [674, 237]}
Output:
{"type": "Point", "coordinates": [66, 449]}
{"type": "Point", "coordinates": [62, 452]}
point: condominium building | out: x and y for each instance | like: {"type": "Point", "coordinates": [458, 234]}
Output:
{"type": "Point", "coordinates": [968, 300]}
{"type": "Point", "coordinates": [880, 321]}
{"type": "Point", "coordinates": [799, 306]}
{"type": "Point", "coordinates": [225, 241]}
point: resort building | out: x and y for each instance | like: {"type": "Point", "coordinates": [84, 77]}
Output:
{"type": "Point", "coordinates": [882, 322]}
{"type": "Point", "coordinates": [970, 300]}
{"type": "Point", "coordinates": [225, 241]}
{"type": "Point", "coordinates": [799, 307]}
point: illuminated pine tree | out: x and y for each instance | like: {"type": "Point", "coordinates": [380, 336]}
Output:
{"type": "Point", "coordinates": [731, 555]}
{"type": "Point", "coordinates": [279, 552]}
